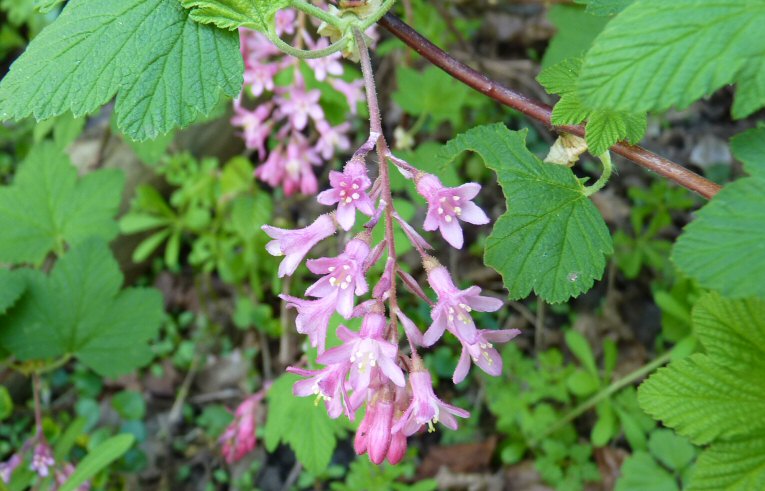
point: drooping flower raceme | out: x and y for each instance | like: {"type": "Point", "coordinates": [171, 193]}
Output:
{"type": "Point", "coordinates": [369, 368]}
{"type": "Point", "coordinates": [239, 438]}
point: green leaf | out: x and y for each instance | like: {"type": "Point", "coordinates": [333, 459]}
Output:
{"type": "Point", "coordinates": [737, 465]}
{"type": "Point", "coordinates": [580, 347]}
{"type": "Point", "coordinates": [165, 69]}
{"type": "Point", "coordinates": [299, 422]}
{"type": "Point", "coordinates": [749, 148]}
{"type": "Point", "coordinates": [45, 6]}
{"type": "Point", "coordinates": [551, 240]}
{"type": "Point", "coordinates": [48, 206]}
{"type": "Point", "coordinates": [724, 247]}
{"type": "Point", "coordinates": [750, 90]}
{"type": "Point", "coordinates": [604, 127]}
{"type": "Point", "coordinates": [605, 7]}
{"type": "Point", "coordinates": [577, 30]}
{"type": "Point", "coordinates": [12, 285]}
{"type": "Point", "coordinates": [79, 309]}
{"type": "Point", "coordinates": [703, 400]}
{"type": "Point", "coordinates": [673, 451]}
{"type": "Point", "coordinates": [431, 93]}
{"type": "Point", "coordinates": [6, 403]}
{"type": "Point", "coordinates": [98, 458]}
{"type": "Point", "coordinates": [641, 473]}
{"type": "Point", "coordinates": [232, 14]}
{"type": "Point", "coordinates": [657, 54]}
{"type": "Point", "coordinates": [732, 331]}
{"type": "Point", "coordinates": [129, 405]}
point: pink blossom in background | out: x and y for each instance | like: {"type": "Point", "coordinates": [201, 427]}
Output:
{"type": "Point", "coordinates": [483, 353]}
{"type": "Point", "coordinates": [42, 459]}
{"type": "Point", "coordinates": [332, 138]}
{"type": "Point", "coordinates": [313, 317]}
{"type": "Point", "coordinates": [295, 244]}
{"type": "Point", "coordinates": [447, 205]}
{"type": "Point", "coordinates": [10, 465]}
{"type": "Point", "coordinates": [255, 125]}
{"type": "Point", "coordinates": [298, 106]}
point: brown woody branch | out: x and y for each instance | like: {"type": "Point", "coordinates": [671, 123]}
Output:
{"type": "Point", "coordinates": [538, 110]}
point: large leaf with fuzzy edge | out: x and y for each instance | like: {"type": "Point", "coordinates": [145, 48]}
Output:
{"type": "Point", "coordinates": [232, 14]}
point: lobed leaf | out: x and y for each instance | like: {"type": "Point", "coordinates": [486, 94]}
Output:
{"type": "Point", "coordinates": [552, 239]}
{"type": "Point", "coordinates": [657, 54]}
{"type": "Point", "coordinates": [736, 465]}
{"type": "Point", "coordinates": [47, 206]}
{"type": "Point", "coordinates": [164, 69]}
{"type": "Point", "coordinates": [12, 285]}
{"type": "Point", "coordinates": [232, 14]}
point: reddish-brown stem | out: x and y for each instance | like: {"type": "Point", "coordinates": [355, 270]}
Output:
{"type": "Point", "coordinates": [538, 110]}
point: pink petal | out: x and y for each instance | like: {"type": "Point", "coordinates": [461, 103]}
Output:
{"type": "Point", "coordinates": [436, 330]}
{"type": "Point", "coordinates": [483, 304]}
{"type": "Point", "coordinates": [345, 302]}
{"type": "Point", "coordinates": [411, 330]}
{"type": "Point", "coordinates": [467, 191]}
{"type": "Point", "coordinates": [472, 213]}
{"type": "Point", "coordinates": [328, 197]}
{"type": "Point", "coordinates": [501, 336]}
{"type": "Point", "coordinates": [492, 366]}
{"type": "Point", "coordinates": [452, 232]}
{"type": "Point", "coordinates": [392, 371]}
{"type": "Point", "coordinates": [346, 216]}
{"type": "Point", "coordinates": [338, 354]}
{"type": "Point", "coordinates": [463, 366]}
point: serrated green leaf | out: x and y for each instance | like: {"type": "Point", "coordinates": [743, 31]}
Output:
{"type": "Point", "coordinates": [604, 127]}
{"type": "Point", "coordinates": [576, 31]}
{"type": "Point", "coordinates": [299, 422]}
{"type": "Point", "coordinates": [47, 206]}
{"type": "Point", "coordinates": [232, 14]}
{"type": "Point", "coordinates": [552, 239]}
{"type": "Point", "coordinates": [723, 248]}
{"type": "Point", "coordinates": [657, 54]}
{"type": "Point", "coordinates": [749, 148]}
{"type": "Point", "coordinates": [165, 69]}
{"type": "Point", "coordinates": [12, 285]}
{"type": "Point", "coordinates": [641, 473]}
{"type": "Point", "coordinates": [430, 93]}
{"type": "Point", "coordinates": [737, 465]}
{"type": "Point", "coordinates": [98, 458]}
{"type": "Point", "coordinates": [703, 400]}
{"type": "Point", "coordinates": [673, 451]}
{"type": "Point", "coordinates": [750, 89]}
{"type": "Point", "coordinates": [732, 331]}
{"type": "Point", "coordinates": [79, 309]}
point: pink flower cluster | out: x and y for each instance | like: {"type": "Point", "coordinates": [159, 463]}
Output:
{"type": "Point", "coordinates": [369, 368]}
{"type": "Point", "coordinates": [239, 438]}
{"type": "Point", "coordinates": [41, 462]}
{"type": "Point", "coordinates": [291, 116]}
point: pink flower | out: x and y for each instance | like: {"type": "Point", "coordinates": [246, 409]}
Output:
{"type": "Point", "coordinates": [328, 65]}
{"type": "Point", "coordinates": [300, 106]}
{"type": "Point", "coordinates": [256, 128]}
{"type": "Point", "coordinates": [42, 459]}
{"type": "Point", "coordinates": [446, 205]}
{"type": "Point", "coordinates": [327, 384]}
{"type": "Point", "coordinates": [239, 438]}
{"type": "Point", "coordinates": [285, 22]}
{"type": "Point", "coordinates": [344, 276]}
{"type": "Point", "coordinates": [331, 138]}
{"type": "Point", "coordinates": [482, 353]}
{"type": "Point", "coordinates": [374, 433]}
{"type": "Point", "coordinates": [259, 77]}
{"type": "Point", "coordinates": [349, 191]}
{"type": "Point", "coordinates": [298, 171]}
{"type": "Point", "coordinates": [452, 311]}
{"type": "Point", "coordinates": [425, 407]}
{"type": "Point", "coordinates": [7, 467]}
{"type": "Point", "coordinates": [353, 91]}
{"type": "Point", "coordinates": [295, 244]}
{"type": "Point", "coordinates": [313, 317]}
{"type": "Point", "coordinates": [367, 352]}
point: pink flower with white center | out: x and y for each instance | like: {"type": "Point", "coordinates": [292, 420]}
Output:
{"type": "Point", "coordinates": [239, 438]}
{"type": "Point", "coordinates": [344, 276]}
{"type": "Point", "coordinates": [259, 77]}
{"type": "Point", "coordinates": [374, 433]}
{"type": "Point", "coordinates": [328, 65]}
{"type": "Point", "coordinates": [313, 317]}
{"type": "Point", "coordinates": [483, 353]}
{"type": "Point", "coordinates": [298, 171]}
{"type": "Point", "coordinates": [254, 124]}
{"type": "Point", "coordinates": [63, 475]}
{"type": "Point", "coordinates": [349, 191]}
{"type": "Point", "coordinates": [10, 465]}
{"type": "Point", "coordinates": [327, 384]}
{"type": "Point", "coordinates": [452, 311]}
{"type": "Point", "coordinates": [295, 244]}
{"type": "Point", "coordinates": [300, 106]}
{"type": "Point", "coordinates": [425, 407]}
{"type": "Point", "coordinates": [331, 138]}
{"type": "Point", "coordinates": [446, 205]}
{"type": "Point", "coordinates": [366, 351]}
{"type": "Point", "coordinates": [42, 459]}
{"type": "Point", "coordinates": [353, 91]}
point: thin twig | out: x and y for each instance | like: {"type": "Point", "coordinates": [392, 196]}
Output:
{"type": "Point", "coordinates": [538, 110]}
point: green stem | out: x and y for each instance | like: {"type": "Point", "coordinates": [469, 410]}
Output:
{"type": "Point", "coordinates": [306, 54]}
{"type": "Point", "coordinates": [593, 401]}
{"type": "Point", "coordinates": [607, 169]}
{"type": "Point", "coordinates": [317, 12]}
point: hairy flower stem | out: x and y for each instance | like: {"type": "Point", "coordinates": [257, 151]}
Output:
{"type": "Point", "coordinates": [375, 124]}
